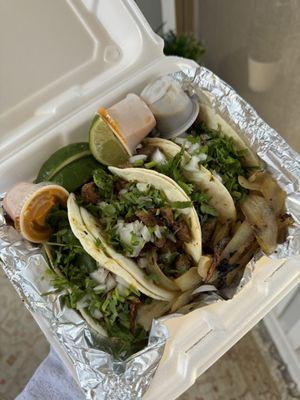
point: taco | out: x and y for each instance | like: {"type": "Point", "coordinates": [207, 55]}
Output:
{"type": "Point", "coordinates": [240, 206]}
{"type": "Point", "coordinates": [110, 305]}
{"type": "Point", "coordinates": [141, 226]}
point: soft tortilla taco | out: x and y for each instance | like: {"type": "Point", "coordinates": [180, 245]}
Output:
{"type": "Point", "coordinates": [141, 226]}
{"type": "Point", "coordinates": [110, 305]}
{"type": "Point", "coordinates": [217, 194]}
{"type": "Point", "coordinates": [240, 206]}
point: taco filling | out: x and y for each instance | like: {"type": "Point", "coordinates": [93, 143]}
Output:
{"type": "Point", "coordinates": [139, 222]}
{"type": "Point", "coordinates": [215, 173]}
{"type": "Point", "coordinates": [106, 301]}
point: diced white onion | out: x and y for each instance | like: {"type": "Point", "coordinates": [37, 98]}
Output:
{"type": "Point", "coordinates": [137, 157]}
{"type": "Point", "coordinates": [183, 142]}
{"type": "Point", "coordinates": [97, 314]}
{"type": "Point", "coordinates": [99, 275]}
{"type": "Point", "coordinates": [142, 262]}
{"type": "Point", "coordinates": [192, 165]}
{"type": "Point", "coordinates": [84, 302]}
{"type": "Point", "coordinates": [157, 232]}
{"type": "Point", "coordinates": [102, 286]}
{"type": "Point", "coordinates": [202, 157]}
{"type": "Point", "coordinates": [110, 283]}
{"type": "Point", "coordinates": [142, 187]}
{"type": "Point", "coordinates": [159, 157]}
{"type": "Point", "coordinates": [122, 286]}
{"type": "Point", "coordinates": [102, 204]}
{"type": "Point", "coordinates": [146, 233]}
{"type": "Point", "coordinates": [126, 230]}
{"type": "Point", "coordinates": [194, 147]}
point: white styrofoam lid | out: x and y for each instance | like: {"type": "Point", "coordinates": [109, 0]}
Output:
{"type": "Point", "coordinates": [56, 55]}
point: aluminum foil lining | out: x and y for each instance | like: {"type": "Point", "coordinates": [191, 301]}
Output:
{"type": "Point", "coordinates": [93, 359]}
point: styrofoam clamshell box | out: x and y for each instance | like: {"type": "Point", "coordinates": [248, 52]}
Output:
{"type": "Point", "coordinates": [60, 61]}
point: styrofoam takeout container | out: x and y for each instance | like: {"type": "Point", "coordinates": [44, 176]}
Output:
{"type": "Point", "coordinates": [60, 62]}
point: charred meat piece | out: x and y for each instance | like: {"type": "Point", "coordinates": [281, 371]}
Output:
{"type": "Point", "coordinates": [160, 242]}
{"type": "Point", "coordinates": [167, 214]}
{"type": "Point", "coordinates": [147, 150]}
{"type": "Point", "coordinates": [183, 231]}
{"type": "Point", "coordinates": [217, 257]}
{"type": "Point", "coordinates": [147, 249]}
{"type": "Point", "coordinates": [170, 247]}
{"type": "Point", "coordinates": [120, 184]}
{"type": "Point", "coordinates": [286, 219]}
{"type": "Point", "coordinates": [90, 193]}
{"type": "Point", "coordinates": [133, 313]}
{"type": "Point", "coordinates": [130, 218]}
{"type": "Point", "coordinates": [208, 230]}
{"type": "Point", "coordinates": [149, 217]}
{"type": "Point", "coordinates": [183, 262]}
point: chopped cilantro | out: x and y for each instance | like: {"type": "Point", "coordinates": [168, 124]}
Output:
{"type": "Point", "coordinates": [98, 243]}
{"type": "Point", "coordinates": [222, 157]}
{"type": "Point", "coordinates": [181, 204]}
{"type": "Point", "coordinates": [151, 164]}
{"type": "Point", "coordinates": [75, 266]}
{"type": "Point", "coordinates": [172, 168]}
{"type": "Point", "coordinates": [105, 183]}
{"type": "Point", "coordinates": [153, 277]}
{"type": "Point", "coordinates": [138, 163]}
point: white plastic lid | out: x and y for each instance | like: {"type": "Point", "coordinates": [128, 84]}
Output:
{"type": "Point", "coordinates": [57, 55]}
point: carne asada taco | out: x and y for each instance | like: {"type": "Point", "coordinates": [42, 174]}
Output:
{"type": "Point", "coordinates": [240, 206]}
{"type": "Point", "coordinates": [196, 174]}
{"type": "Point", "coordinates": [141, 226]}
{"type": "Point", "coordinates": [110, 305]}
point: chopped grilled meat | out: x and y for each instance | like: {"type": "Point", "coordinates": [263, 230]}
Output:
{"type": "Point", "coordinates": [147, 150]}
{"type": "Point", "coordinates": [133, 313]}
{"type": "Point", "coordinates": [146, 249]}
{"type": "Point", "coordinates": [160, 242]}
{"type": "Point", "coordinates": [90, 193]}
{"type": "Point", "coordinates": [222, 231]}
{"type": "Point", "coordinates": [183, 231]}
{"type": "Point", "coordinates": [149, 217]}
{"type": "Point", "coordinates": [120, 184]}
{"type": "Point", "coordinates": [286, 219]}
{"type": "Point", "coordinates": [132, 218]}
{"type": "Point", "coordinates": [208, 230]}
{"type": "Point", "coordinates": [170, 247]}
{"type": "Point", "coordinates": [167, 214]}
{"type": "Point", "coordinates": [183, 262]}
{"type": "Point", "coordinates": [217, 257]}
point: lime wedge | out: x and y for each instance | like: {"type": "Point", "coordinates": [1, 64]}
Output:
{"type": "Point", "coordinates": [104, 144]}
{"type": "Point", "coordinates": [75, 174]}
{"type": "Point", "coordinates": [61, 158]}
{"type": "Point", "coordinates": [71, 166]}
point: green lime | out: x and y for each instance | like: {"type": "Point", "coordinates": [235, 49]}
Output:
{"type": "Point", "coordinates": [61, 158]}
{"type": "Point", "coordinates": [71, 166]}
{"type": "Point", "coordinates": [75, 174]}
{"type": "Point", "coordinates": [104, 144]}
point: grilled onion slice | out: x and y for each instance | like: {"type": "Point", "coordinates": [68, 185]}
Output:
{"type": "Point", "coordinates": [262, 220]}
